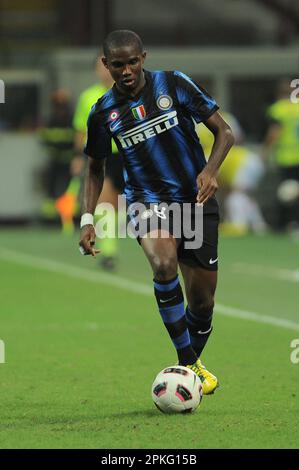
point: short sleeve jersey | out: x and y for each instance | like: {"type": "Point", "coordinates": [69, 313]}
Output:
{"type": "Point", "coordinates": [155, 134]}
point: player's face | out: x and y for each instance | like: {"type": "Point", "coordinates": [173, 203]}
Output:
{"type": "Point", "coordinates": [125, 66]}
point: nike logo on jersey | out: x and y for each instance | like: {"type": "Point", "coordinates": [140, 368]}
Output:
{"type": "Point", "coordinates": [212, 261]}
{"type": "Point", "coordinates": [167, 300]}
{"type": "Point", "coordinates": [148, 129]}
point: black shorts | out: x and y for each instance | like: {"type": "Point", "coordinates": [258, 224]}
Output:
{"type": "Point", "coordinates": [114, 171]}
{"type": "Point", "coordinates": [195, 228]}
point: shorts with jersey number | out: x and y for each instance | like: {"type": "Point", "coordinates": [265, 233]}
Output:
{"type": "Point", "coordinates": [195, 228]}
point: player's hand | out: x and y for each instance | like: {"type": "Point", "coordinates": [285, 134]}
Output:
{"type": "Point", "coordinates": [87, 241]}
{"type": "Point", "coordinates": [207, 186]}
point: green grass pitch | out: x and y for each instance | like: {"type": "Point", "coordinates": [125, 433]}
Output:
{"type": "Point", "coordinates": [82, 352]}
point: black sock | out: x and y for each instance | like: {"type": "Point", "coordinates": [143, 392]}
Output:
{"type": "Point", "coordinates": [170, 301]}
{"type": "Point", "coordinates": [200, 328]}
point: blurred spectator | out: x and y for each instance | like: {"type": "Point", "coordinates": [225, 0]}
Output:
{"type": "Point", "coordinates": [240, 174]}
{"type": "Point", "coordinates": [282, 146]}
{"type": "Point", "coordinates": [113, 183]}
{"type": "Point", "coordinates": [58, 137]}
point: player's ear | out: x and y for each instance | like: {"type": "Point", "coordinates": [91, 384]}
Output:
{"type": "Point", "coordinates": [143, 55]}
{"type": "Point", "coordinates": [104, 60]}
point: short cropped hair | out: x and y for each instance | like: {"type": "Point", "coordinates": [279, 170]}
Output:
{"type": "Point", "coordinates": [121, 38]}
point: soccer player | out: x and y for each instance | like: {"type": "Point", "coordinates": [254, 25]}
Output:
{"type": "Point", "coordinates": [163, 163]}
{"type": "Point", "coordinates": [282, 144]}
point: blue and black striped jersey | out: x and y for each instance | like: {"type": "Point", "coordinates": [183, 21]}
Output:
{"type": "Point", "coordinates": [155, 134]}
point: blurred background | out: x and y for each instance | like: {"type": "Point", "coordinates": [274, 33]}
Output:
{"type": "Point", "coordinates": [239, 50]}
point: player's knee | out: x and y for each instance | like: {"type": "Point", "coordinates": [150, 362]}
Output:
{"type": "Point", "coordinates": [164, 268]}
{"type": "Point", "coordinates": [202, 307]}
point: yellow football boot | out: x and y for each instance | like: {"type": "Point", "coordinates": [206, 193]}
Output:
{"type": "Point", "coordinates": [208, 380]}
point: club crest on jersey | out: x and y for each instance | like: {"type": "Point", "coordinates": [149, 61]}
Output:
{"type": "Point", "coordinates": [164, 102]}
{"type": "Point", "coordinates": [139, 112]}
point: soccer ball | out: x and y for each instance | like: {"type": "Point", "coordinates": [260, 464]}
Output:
{"type": "Point", "coordinates": [177, 389]}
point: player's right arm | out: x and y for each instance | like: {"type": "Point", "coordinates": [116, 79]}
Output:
{"type": "Point", "coordinates": [93, 185]}
{"type": "Point", "coordinates": [97, 148]}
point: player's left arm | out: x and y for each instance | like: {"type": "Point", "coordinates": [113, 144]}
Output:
{"type": "Point", "coordinates": [223, 141]}
{"type": "Point", "coordinates": [203, 108]}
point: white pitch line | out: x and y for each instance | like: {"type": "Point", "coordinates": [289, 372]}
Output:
{"type": "Point", "coordinates": [256, 317]}
{"type": "Point", "coordinates": [74, 271]}
{"type": "Point", "coordinates": [132, 286]}
{"type": "Point", "coordinates": [280, 274]}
